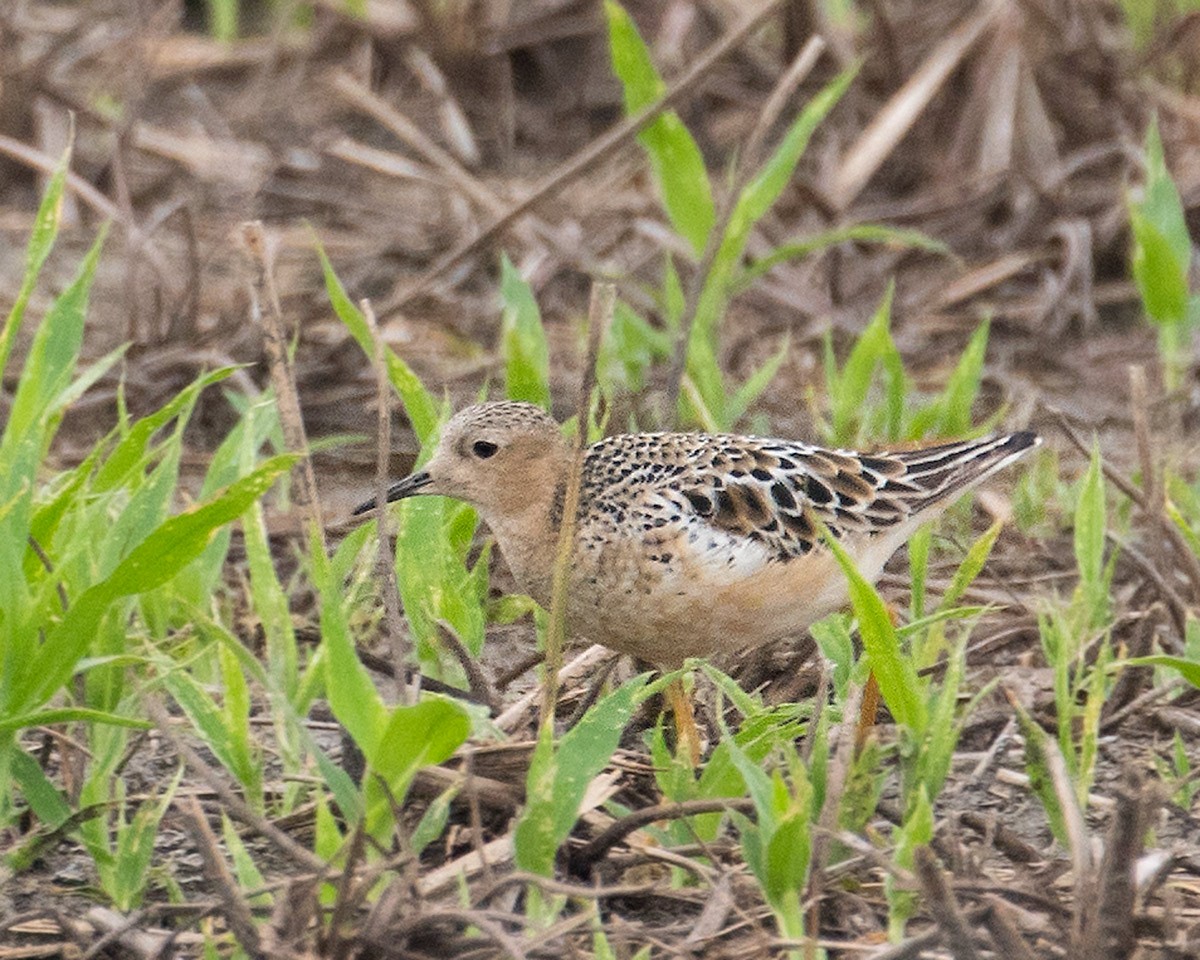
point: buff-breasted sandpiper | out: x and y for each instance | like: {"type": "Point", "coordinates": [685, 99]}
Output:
{"type": "Point", "coordinates": [691, 544]}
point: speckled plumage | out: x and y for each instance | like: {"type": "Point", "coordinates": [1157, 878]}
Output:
{"type": "Point", "coordinates": [691, 544]}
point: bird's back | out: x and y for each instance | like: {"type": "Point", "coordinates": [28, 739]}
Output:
{"type": "Point", "coordinates": [692, 543]}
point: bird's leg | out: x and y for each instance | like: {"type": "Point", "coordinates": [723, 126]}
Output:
{"type": "Point", "coordinates": [687, 737]}
{"type": "Point", "coordinates": [869, 708]}
{"type": "Point", "coordinates": [867, 713]}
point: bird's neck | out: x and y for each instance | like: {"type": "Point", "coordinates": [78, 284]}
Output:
{"type": "Point", "coordinates": [528, 538]}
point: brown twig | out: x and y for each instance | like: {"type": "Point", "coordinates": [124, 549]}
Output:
{"type": "Point", "coordinates": [385, 569]}
{"type": "Point", "coordinates": [1108, 921]}
{"type": "Point", "coordinates": [939, 898]}
{"type": "Point", "coordinates": [582, 859]}
{"type": "Point", "coordinates": [340, 945]}
{"type": "Point", "coordinates": [1004, 933]}
{"type": "Point", "coordinates": [287, 397]}
{"type": "Point", "coordinates": [600, 311]}
{"type": "Point", "coordinates": [234, 907]}
{"type": "Point", "coordinates": [477, 681]}
{"type": "Point", "coordinates": [1139, 405]}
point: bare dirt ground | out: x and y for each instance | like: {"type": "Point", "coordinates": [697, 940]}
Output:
{"type": "Point", "coordinates": [406, 140]}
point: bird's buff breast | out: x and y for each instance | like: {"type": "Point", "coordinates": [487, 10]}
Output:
{"type": "Point", "coordinates": [667, 612]}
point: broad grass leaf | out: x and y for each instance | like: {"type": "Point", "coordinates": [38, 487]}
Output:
{"type": "Point", "coordinates": [170, 547]}
{"type": "Point", "coordinates": [352, 696]}
{"type": "Point", "coordinates": [788, 854]}
{"type": "Point", "coordinates": [894, 672]}
{"type": "Point", "coordinates": [535, 839]}
{"type": "Point", "coordinates": [677, 161]}
{"type": "Point", "coordinates": [559, 777]}
{"type": "Point", "coordinates": [425, 733]}
{"type": "Point", "coordinates": [1161, 202]}
{"type": "Point", "coordinates": [1160, 281]}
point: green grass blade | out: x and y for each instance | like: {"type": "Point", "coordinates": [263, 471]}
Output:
{"type": "Point", "coordinates": [46, 375]}
{"type": "Point", "coordinates": [418, 402]}
{"type": "Point", "coordinates": [858, 233]}
{"type": "Point", "coordinates": [414, 737]}
{"type": "Point", "coordinates": [756, 383]}
{"type": "Point", "coordinates": [1187, 668]}
{"type": "Point", "coordinates": [1090, 526]}
{"type": "Point", "coordinates": [352, 696]}
{"type": "Point", "coordinates": [765, 188]}
{"type": "Point", "coordinates": [523, 339]}
{"type": "Point", "coordinates": [41, 241]}
{"type": "Point", "coordinates": [848, 388]}
{"type": "Point", "coordinates": [971, 566]}
{"type": "Point", "coordinates": [953, 407]}
{"type": "Point", "coordinates": [39, 718]}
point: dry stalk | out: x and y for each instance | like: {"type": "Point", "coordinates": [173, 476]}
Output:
{"type": "Point", "coordinates": [477, 681]}
{"type": "Point", "coordinates": [1109, 928]}
{"type": "Point", "coordinates": [582, 859]}
{"type": "Point", "coordinates": [283, 377]}
{"type": "Point", "coordinates": [349, 893]}
{"type": "Point", "coordinates": [939, 898]}
{"type": "Point", "coordinates": [579, 666]}
{"type": "Point", "coordinates": [114, 928]}
{"type": "Point", "coordinates": [890, 125]}
{"type": "Point", "coordinates": [385, 569]}
{"type": "Point", "coordinates": [600, 311]}
{"type": "Point", "coordinates": [1139, 405]}
{"type": "Point", "coordinates": [1002, 928]}
{"type": "Point", "coordinates": [234, 907]}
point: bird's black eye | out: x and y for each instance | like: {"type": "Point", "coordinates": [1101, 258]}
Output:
{"type": "Point", "coordinates": [483, 449]}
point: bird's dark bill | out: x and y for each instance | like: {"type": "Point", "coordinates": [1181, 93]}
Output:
{"type": "Point", "coordinates": [410, 485]}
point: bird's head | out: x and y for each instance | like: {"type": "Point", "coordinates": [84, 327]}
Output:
{"type": "Point", "coordinates": [500, 457]}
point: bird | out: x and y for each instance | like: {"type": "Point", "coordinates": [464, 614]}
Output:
{"type": "Point", "coordinates": [693, 544]}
